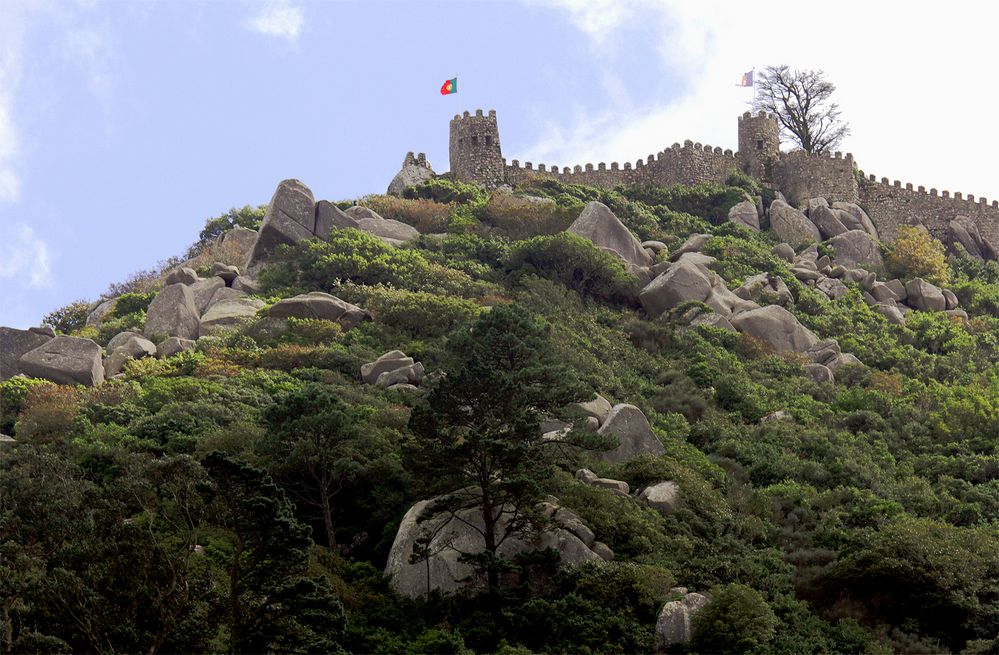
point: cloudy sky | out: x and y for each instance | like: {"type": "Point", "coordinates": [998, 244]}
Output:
{"type": "Point", "coordinates": [124, 125]}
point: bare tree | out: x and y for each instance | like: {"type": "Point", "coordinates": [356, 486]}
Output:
{"type": "Point", "coordinates": [800, 100]}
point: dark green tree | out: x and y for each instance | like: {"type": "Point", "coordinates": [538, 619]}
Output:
{"type": "Point", "coordinates": [736, 620]}
{"type": "Point", "coordinates": [312, 435]}
{"type": "Point", "coordinates": [480, 429]}
{"type": "Point", "coordinates": [272, 606]}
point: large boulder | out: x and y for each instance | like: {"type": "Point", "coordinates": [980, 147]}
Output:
{"type": "Point", "coordinates": [237, 244]}
{"type": "Point", "coordinates": [856, 249]}
{"type": "Point", "coordinates": [135, 347]}
{"type": "Point", "coordinates": [317, 304]}
{"type": "Point", "coordinates": [290, 217]}
{"type": "Point", "coordinates": [634, 434]}
{"type": "Point", "coordinates": [173, 313]}
{"type": "Point", "coordinates": [663, 497]}
{"type": "Point", "coordinates": [693, 243]}
{"type": "Point", "coordinates": [442, 570]}
{"type": "Point", "coordinates": [599, 224]}
{"type": "Point", "coordinates": [388, 230]}
{"type": "Point", "coordinates": [174, 345]}
{"type": "Point", "coordinates": [925, 296]}
{"type": "Point", "coordinates": [229, 312]}
{"type": "Point", "coordinates": [414, 170]}
{"type": "Point", "coordinates": [765, 287]}
{"type": "Point", "coordinates": [682, 282]}
{"type": "Point", "coordinates": [964, 231]}
{"type": "Point", "coordinates": [790, 225]}
{"type": "Point", "coordinates": [329, 217]}
{"type": "Point", "coordinates": [65, 360]}
{"type": "Point", "coordinates": [204, 290]}
{"type": "Point", "coordinates": [675, 622]}
{"type": "Point", "coordinates": [13, 344]}
{"type": "Point", "coordinates": [827, 221]}
{"type": "Point", "coordinates": [775, 326]}
{"type": "Point", "coordinates": [99, 313]}
{"type": "Point", "coordinates": [744, 213]}
{"type": "Point", "coordinates": [854, 218]}
{"type": "Point", "coordinates": [598, 408]}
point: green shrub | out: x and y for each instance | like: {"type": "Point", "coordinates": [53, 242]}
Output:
{"type": "Point", "coordinates": [247, 216]}
{"type": "Point", "coordinates": [12, 395]}
{"type": "Point", "coordinates": [736, 620]}
{"type": "Point", "coordinates": [427, 216]}
{"type": "Point", "coordinates": [744, 181]}
{"type": "Point", "coordinates": [446, 191]}
{"type": "Point", "coordinates": [416, 312]}
{"type": "Point", "coordinates": [709, 201]}
{"type": "Point", "coordinates": [354, 256]}
{"type": "Point", "coordinates": [519, 218]}
{"type": "Point", "coordinates": [109, 328]}
{"type": "Point", "coordinates": [131, 303]}
{"type": "Point", "coordinates": [575, 262]}
{"type": "Point", "coordinates": [914, 253]}
{"type": "Point", "coordinates": [70, 318]}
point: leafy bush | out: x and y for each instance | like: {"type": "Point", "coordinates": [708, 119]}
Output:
{"type": "Point", "coordinates": [519, 218]}
{"type": "Point", "coordinates": [12, 395]}
{"type": "Point", "coordinates": [915, 253]}
{"type": "Point", "coordinates": [709, 201]}
{"type": "Point", "coordinates": [70, 318]}
{"type": "Point", "coordinates": [48, 414]}
{"type": "Point", "coordinates": [354, 256]}
{"type": "Point", "coordinates": [109, 328]}
{"type": "Point", "coordinates": [415, 312]}
{"type": "Point", "coordinates": [744, 181]}
{"type": "Point", "coordinates": [736, 620]}
{"type": "Point", "coordinates": [131, 303]}
{"type": "Point", "coordinates": [575, 262]}
{"type": "Point", "coordinates": [446, 191]}
{"type": "Point", "coordinates": [427, 216]}
{"type": "Point", "coordinates": [246, 216]}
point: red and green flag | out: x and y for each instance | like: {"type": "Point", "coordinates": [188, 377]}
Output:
{"type": "Point", "coordinates": [449, 87]}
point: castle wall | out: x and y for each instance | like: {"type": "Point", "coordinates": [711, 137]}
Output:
{"type": "Point", "coordinates": [891, 205]}
{"type": "Point", "coordinates": [800, 176]}
{"type": "Point", "coordinates": [689, 164]}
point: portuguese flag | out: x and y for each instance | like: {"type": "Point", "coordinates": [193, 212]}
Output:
{"type": "Point", "coordinates": [449, 87]}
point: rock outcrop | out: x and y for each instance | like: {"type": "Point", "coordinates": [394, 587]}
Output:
{"type": "Point", "coordinates": [414, 170]}
{"type": "Point", "coordinates": [599, 224]}
{"type": "Point", "coordinates": [744, 213]}
{"type": "Point", "coordinates": [290, 217]}
{"type": "Point", "coordinates": [663, 497]}
{"type": "Point", "coordinates": [857, 249]}
{"type": "Point", "coordinates": [317, 304]}
{"type": "Point", "coordinates": [392, 370]}
{"type": "Point", "coordinates": [964, 231]}
{"type": "Point", "coordinates": [390, 231]}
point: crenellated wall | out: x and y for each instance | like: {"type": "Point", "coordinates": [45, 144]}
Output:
{"type": "Point", "coordinates": [691, 163]}
{"type": "Point", "coordinates": [893, 204]}
{"type": "Point", "coordinates": [476, 156]}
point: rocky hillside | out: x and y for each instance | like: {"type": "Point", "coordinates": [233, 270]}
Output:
{"type": "Point", "coordinates": [552, 418]}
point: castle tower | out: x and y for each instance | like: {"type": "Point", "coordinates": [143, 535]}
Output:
{"type": "Point", "coordinates": [475, 149]}
{"type": "Point", "coordinates": [759, 144]}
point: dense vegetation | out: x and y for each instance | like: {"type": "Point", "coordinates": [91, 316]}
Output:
{"type": "Point", "coordinates": [243, 497]}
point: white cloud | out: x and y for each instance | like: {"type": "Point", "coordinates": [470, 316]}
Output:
{"type": "Point", "coordinates": [915, 89]}
{"type": "Point", "coordinates": [24, 256]}
{"type": "Point", "coordinates": [280, 19]}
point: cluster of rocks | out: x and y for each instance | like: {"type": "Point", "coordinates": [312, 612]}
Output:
{"type": "Point", "coordinates": [444, 537]}
{"type": "Point", "coordinates": [663, 496]}
{"type": "Point", "coordinates": [393, 370]}
{"type": "Point", "coordinates": [294, 215]}
{"type": "Point", "coordinates": [965, 238]}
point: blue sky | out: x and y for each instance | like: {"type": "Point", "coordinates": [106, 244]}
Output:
{"type": "Point", "coordinates": [124, 125]}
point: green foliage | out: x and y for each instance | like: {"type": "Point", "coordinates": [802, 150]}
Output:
{"type": "Point", "coordinates": [131, 303]}
{"type": "Point", "coordinates": [443, 190]}
{"type": "Point", "coordinates": [70, 318]}
{"type": "Point", "coordinates": [743, 181]}
{"type": "Point", "coordinates": [709, 201]}
{"type": "Point", "coordinates": [736, 620]}
{"type": "Point", "coordinates": [575, 262]}
{"type": "Point", "coordinates": [355, 256]}
{"type": "Point", "coordinates": [417, 313]}
{"type": "Point", "coordinates": [13, 393]}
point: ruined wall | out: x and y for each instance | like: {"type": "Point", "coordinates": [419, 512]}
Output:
{"type": "Point", "coordinates": [800, 176]}
{"type": "Point", "coordinates": [891, 205]}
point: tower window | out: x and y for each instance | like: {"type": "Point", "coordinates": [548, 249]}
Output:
{"type": "Point", "coordinates": [460, 140]}
{"type": "Point", "coordinates": [759, 144]}
{"type": "Point", "coordinates": [475, 140]}
{"type": "Point", "coordinates": [489, 140]}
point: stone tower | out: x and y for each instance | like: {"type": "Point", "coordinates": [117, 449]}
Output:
{"type": "Point", "coordinates": [759, 144]}
{"type": "Point", "coordinates": [475, 149]}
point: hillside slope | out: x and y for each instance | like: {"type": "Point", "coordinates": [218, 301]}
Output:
{"type": "Point", "coordinates": [548, 419]}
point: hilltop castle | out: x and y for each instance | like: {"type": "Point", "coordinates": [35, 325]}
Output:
{"type": "Point", "coordinates": [476, 156]}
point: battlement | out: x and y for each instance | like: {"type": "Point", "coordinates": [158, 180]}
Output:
{"type": "Point", "coordinates": [476, 156]}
